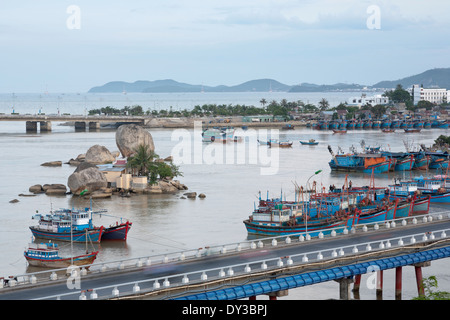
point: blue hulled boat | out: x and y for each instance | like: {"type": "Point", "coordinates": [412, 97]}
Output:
{"type": "Point", "coordinates": [359, 162]}
{"type": "Point", "coordinates": [76, 225]}
{"type": "Point", "coordinates": [436, 189]}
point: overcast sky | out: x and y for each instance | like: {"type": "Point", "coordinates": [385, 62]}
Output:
{"type": "Point", "coordinates": [71, 46]}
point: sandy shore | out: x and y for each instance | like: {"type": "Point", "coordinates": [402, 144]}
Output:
{"type": "Point", "coordinates": [189, 123]}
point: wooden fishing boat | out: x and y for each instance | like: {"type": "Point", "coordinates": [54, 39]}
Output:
{"type": "Point", "coordinates": [76, 225]}
{"type": "Point", "coordinates": [339, 131]}
{"type": "Point", "coordinates": [310, 142]}
{"type": "Point", "coordinates": [412, 130]}
{"type": "Point", "coordinates": [280, 144]}
{"type": "Point", "coordinates": [47, 255]}
{"type": "Point", "coordinates": [388, 130]}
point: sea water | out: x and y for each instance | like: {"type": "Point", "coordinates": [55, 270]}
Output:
{"type": "Point", "coordinates": [168, 223]}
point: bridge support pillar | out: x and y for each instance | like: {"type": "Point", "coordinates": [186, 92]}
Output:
{"type": "Point", "coordinates": [80, 126]}
{"type": "Point", "coordinates": [419, 278]}
{"type": "Point", "coordinates": [380, 285]}
{"type": "Point", "coordinates": [344, 288]}
{"type": "Point", "coordinates": [94, 125]}
{"type": "Point", "coordinates": [31, 126]}
{"type": "Point", "coordinates": [45, 126]}
{"type": "Point", "coordinates": [398, 283]}
{"type": "Point", "coordinates": [274, 295]}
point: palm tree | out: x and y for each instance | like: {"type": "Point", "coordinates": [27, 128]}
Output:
{"type": "Point", "coordinates": [263, 102]}
{"type": "Point", "coordinates": [142, 160]}
{"type": "Point", "coordinates": [323, 104]}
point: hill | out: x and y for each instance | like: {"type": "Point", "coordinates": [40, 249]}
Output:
{"type": "Point", "coordinates": [439, 77]}
{"type": "Point", "coordinates": [261, 85]}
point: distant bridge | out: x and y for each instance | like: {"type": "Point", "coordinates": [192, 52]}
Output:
{"type": "Point", "coordinates": [242, 270]}
{"type": "Point", "coordinates": [81, 122]}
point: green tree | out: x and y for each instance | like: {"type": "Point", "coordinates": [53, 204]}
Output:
{"type": "Point", "coordinates": [142, 160]}
{"type": "Point", "coordinates": [429, 285]}
{"type": "Point", "coordinates": [323, 104]}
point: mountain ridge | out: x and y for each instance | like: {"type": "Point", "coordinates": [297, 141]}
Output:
{"type": "Point", "coordinates": [437, 77]}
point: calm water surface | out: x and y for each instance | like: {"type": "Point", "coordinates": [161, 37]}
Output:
{"type": "Point", "coordinates": [166, 223]}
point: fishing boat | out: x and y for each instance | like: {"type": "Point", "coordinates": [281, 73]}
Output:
{"type": "Point", "coordinates": [435, 189]}
{"type": "Point", "coordinates": [386, 130]}
{"type": "Point", "coordinates": [276, 217]}
{"type": "Point", "coordinates": [287, 126]}
{"type": "Point", "coordinates": [421, 160]}
{"type": "Point", "coordinates": [412, 130]}
{"type": "Point", "coordinates": [59, 224]}
{"type": "Point", "coordinates": [219, 135]}
{"type": "Point", "coordinates": [280, 144]}
{"type": "Point", "coordinates": [47, 255]}
{"type": "Point", "coordinates": [359, 162]}
{"type": "Point", "coordinates": [310, 142]}
{"type": "Point", "coordinates": [404, 163]}
{"type": "Point", "coordinates": [76, 228]}
{"type": "Point", "coordinates": [339, 131]}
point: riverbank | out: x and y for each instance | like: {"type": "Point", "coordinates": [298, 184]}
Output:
{"type": "Point", "coordinates": [206, 122]}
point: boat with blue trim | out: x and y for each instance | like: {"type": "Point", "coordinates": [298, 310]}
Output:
{"type": "Point", "coordinates": [76, 225]}
{"type": "Point", "coordinates": [47, 255]}
{"type": "Point", "coordinates": [310, 142]}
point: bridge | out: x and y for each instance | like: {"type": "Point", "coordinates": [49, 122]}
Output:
{"type": "Point", "coordinates": [81, 122]}
{"type": "Point", "coordinates": [244, 270]}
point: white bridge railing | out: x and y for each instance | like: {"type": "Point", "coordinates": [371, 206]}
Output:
{"type": "Point", "coordinates": [248, 246]}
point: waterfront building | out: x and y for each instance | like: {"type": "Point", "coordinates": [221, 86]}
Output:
{"type": "Point", "coordinates": [364, 99]}
{"type": "Point", "coordinates": [434, 95]}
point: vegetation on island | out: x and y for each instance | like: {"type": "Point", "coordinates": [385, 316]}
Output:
{"type": "Point", "coordinates": [430, 286]}
{"type": "Point", "coordinates": [282, 108]}
{"type": "Point", "coordinates": [147, 163]}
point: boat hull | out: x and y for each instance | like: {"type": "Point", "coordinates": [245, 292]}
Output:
{"type": "Point", "coordinates": [118, 232]}
{"type": "Point", "coordinates": [312, 229]}
{"type": "Point", "coordinates": [62, 262]}
{"type": "Point", "coordinates": [93, 235]}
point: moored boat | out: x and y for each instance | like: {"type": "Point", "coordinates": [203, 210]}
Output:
{"type": "Point", "coordinates": [47, 255]}
{"type": "Point", "coordinates": [310, 142]}
{"type": "Point", "coordinates": [280, 144]}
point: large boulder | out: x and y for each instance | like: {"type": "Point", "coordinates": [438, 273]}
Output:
{"type": "Point", "coordinates": [99, 155]}
{"type": "Point", "coordinates": [91, 179]}
{"type": "Point", "coordinates": [130, 136]}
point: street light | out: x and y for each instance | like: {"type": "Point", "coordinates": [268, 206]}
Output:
{"type": "Point", "coordinates": [306, 215]}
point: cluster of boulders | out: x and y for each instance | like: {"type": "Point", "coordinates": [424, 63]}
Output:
{"type": "Point", "coordinates": [88, 180]}
{"type": "Point", "coordinates": [49, 189]}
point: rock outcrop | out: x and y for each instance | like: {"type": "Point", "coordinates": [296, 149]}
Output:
{"type": "Point", "coordinates": [99, 155]}
{"type": "Point", "coordinates": [130, 136]}
{"type": "Point", "coordinates": [52, 164]}
{"type": "Point", "coordinates": [91, 179]}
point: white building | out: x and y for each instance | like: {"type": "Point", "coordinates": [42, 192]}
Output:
{"type": "Point", "coordinates": [433, 95]}
{"type": "Point", "coordinates": [364, 99]}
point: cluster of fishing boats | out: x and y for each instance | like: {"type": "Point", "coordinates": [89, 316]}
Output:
{"type": "Point", "coordinates": [385, 124]}
{"type": "Point", "coordinates": [346, 207]}
{"type": "Point", "coordinates": [70, 225]}
{"type": "Point", "coordinates": [378, 161]}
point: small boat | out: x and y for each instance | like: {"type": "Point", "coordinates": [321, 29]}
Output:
{"type": "Point", "coordinates": [388, 130]}
{"type": "Point", "coordinates": [287, 127]}
{"type": "Point", "coordinates": [280, 144]}
{"type": "Point", "coordinates": [47, 255]}
{"type": "Point", "coordinates": [412, 130]}
{"type": "Point", "coordinates": [339, 131]}
{"type": "Point", "coordinates": [310, 142]}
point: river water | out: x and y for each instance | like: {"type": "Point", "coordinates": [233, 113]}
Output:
{"type": "Point", "coordinates": [166, 223]}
